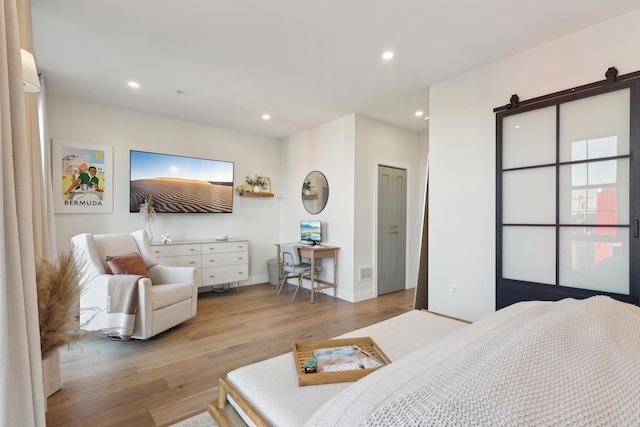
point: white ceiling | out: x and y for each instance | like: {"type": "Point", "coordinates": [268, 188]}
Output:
{"type": "Point", "coordinates": [304, 62]}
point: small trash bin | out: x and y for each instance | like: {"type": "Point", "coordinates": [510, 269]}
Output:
{"type": "Point", "coordinates": [272, 266]}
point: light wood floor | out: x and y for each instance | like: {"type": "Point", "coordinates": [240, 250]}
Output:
{"type": "Point", "coordinates": [173, 376]}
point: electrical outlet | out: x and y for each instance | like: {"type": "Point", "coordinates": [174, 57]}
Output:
{"type": "Point", "coordinates": [454, 290]}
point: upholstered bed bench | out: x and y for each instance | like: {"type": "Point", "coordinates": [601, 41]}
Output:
{"type": "Point", "coordinates": [267, 392]}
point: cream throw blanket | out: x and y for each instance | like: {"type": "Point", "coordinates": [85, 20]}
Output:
{"type": "Point", "coordinates": [532, 364]}
{"type": "Point", "coordinates": [122, 304]}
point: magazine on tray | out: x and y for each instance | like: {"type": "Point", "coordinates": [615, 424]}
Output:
{"type": "Point", "coordinates": [345, 358]}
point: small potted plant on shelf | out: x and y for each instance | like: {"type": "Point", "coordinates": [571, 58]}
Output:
{"type": "Point", "coordinates": [256, 182]}
{"type": "Point", "coordinates": [306, 188]}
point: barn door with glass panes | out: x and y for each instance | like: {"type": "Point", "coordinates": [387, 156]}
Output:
{"type": "Point", "coordinates": [567, 195]}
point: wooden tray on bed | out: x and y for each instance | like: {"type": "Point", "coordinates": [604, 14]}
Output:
{"type": "Point", "coordinates": [303, 350]}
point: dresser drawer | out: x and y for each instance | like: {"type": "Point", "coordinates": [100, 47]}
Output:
{"type": "Point", "coordinates": [216, 263]}
{"type": "Point", "coordinates": [176, 250]}
{"type": "Point", "coordinates": [228, 274]}
{"type": "Point", "coordinates": [181, 261]}
{"type": "Point", "coordinates": [225, 258]}
{"type": "Point", "coordinates": [221, 247]}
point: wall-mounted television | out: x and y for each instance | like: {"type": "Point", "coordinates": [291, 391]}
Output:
{"type": "Point", "coordinates": [311, 232]}
{"type": "Point", "coordinates": [180, 184]}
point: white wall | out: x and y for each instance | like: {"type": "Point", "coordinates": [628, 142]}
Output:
{"type": "Point", "coordinates": [376, 144]}
{"type": "Point", "coordinates": [329, 149]}
{"type": "Point", "coordinates": [348, 151]}
{"type": "Point", "coordinates": [462, 152]}
{"type": "Point", "coordinates": [255, 219]}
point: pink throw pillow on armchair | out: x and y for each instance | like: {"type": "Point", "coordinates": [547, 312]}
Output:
{"type": "Point", "coordinates": [128, 264]}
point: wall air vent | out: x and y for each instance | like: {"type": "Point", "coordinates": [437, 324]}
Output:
{"type": "Point", "coordinates": [366, 273]}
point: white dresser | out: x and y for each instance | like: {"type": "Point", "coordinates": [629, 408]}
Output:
{"type": "Point", "coordinates": [216, 262]}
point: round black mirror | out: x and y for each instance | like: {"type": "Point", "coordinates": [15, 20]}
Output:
{"type": "Point", "coordinates": [315, 192]}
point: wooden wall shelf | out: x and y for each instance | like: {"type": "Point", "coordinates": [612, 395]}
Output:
{"type": "Point", "coordinates": [256, 194]}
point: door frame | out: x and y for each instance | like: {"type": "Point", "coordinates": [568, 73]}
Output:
{"type": "Point", "coordinates": [407, 243]}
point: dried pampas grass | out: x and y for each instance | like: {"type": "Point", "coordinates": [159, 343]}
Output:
{"type": "Point", "coordinates": [58, 296]}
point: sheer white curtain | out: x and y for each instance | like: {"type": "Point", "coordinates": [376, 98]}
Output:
{"type": "Point", "coordinates": [21, 387]}
{"type": "Point", "coordinates": [46, 240]}
{"type": "Point", "coordinates": [42, 154]}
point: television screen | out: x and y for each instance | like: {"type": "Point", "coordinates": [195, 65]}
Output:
{"type": "Point", "coordinates": [310, 231]}
{"type": "Point", "coordinates": [180, 184]}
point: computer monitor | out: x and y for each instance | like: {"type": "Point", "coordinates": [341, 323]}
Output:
{"type": "Point", "coordinates": [310, 232]}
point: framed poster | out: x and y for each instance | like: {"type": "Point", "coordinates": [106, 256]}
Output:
{"type": "Point", "coordinates": [82, 177]}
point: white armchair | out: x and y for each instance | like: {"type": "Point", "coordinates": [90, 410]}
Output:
{"type": "Point", "coordinates": [167, 298]}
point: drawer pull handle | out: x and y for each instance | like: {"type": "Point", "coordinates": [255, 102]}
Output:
{"type": "Point", "coordinates": [192, 262]}
{"type": "Point", "coordinates": [192, 249]}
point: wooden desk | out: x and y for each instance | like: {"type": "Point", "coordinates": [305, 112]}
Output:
{"type": "Point", "coordinates": [313, 253]}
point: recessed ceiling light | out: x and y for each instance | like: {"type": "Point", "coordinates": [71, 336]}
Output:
{"type": "Point", "coordinates": [426, 118]}
{"type": "Point", "coordinates": [134, 85]}
{"type": "Point", "coordinates": [266, 117]}
{"type": "Point", "coordinates": [419, 113]}
{"type": "Point", "coordinates": [387, 55]}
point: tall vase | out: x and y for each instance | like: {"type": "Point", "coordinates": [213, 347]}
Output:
{"type": "Point", "coordinates": [51, 373]}
{"type": "Point", "coordinates": [149, 234]}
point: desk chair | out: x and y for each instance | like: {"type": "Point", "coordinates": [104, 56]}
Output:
{"type": "Point", "coordinates": [292, 266]}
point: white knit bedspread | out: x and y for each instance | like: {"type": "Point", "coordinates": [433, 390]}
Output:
{"type": "Point", "coordinates": [572, 362]}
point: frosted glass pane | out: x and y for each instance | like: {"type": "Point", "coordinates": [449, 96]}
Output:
{"type": "Point", "coordinates": [529, 196]}
{"type": "Point", "coordinates": [595, 193]}
{"type": "Point", "coordinates": [595, 127]}
{"type": "Point", "coordinates": [595, 258]}
{"type": "Point", "coordinates": [529, 139]}
{"type": "Point", "coordinates": [529, 254]}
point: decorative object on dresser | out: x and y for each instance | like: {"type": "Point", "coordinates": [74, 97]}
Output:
{"type": "Point", "coordinates": [148, 212]}
{"type": "Point", "coordinates": [216, 262]}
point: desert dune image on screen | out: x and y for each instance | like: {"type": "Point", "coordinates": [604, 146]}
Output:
{"type": "Point", "coordinates": [180, 184]}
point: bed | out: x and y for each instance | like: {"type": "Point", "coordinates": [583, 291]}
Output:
{"type": "Point", "coordinates": [532, 363]}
